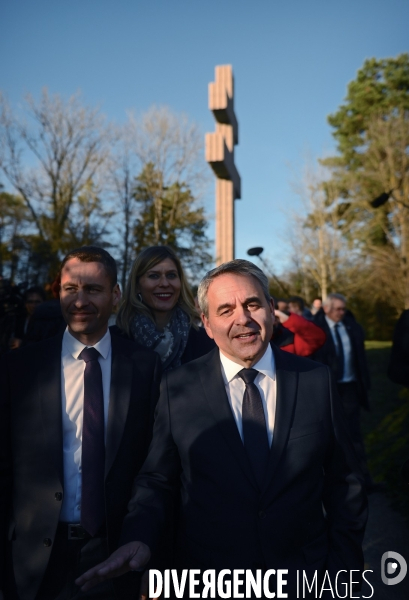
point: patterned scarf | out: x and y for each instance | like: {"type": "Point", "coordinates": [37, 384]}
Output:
{"type": "Point", "coordinates": [170, 343]}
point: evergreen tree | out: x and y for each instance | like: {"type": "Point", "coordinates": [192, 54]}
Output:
{"type": "Point", "coordinates": [169, 215]}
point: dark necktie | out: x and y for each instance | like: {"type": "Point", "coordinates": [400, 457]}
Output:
{"type": "Point", "coordinates": [93, 444]}
{"type": "Point", "coordinates": [254, 425]}
{"type": "Point", "coordinates": [340, 354]}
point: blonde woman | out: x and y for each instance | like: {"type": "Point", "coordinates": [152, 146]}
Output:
{"type": "Point", "coordinates": [158, 309]}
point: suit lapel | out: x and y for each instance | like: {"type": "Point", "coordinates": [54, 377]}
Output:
{"type": "Point", "coordinates": [287, 382]}
{"type": "Point", "coordinates": [49, 390]}
{"type": "Point", "coordinates": [215, 392]}
{"type": "Point", "coordinates": [119, 398]}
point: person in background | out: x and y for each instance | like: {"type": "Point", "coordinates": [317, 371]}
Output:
{"type": "Point", "coordinates": [297, 306]}
{"type": "Point", "coordinates": [296, 334]}
{"type": "Point", "coordinates": [282, 305]}
{"type": "Point", "coordinates": [158, 309]}
{"type": "Point", "coordinates": [47, 319]}
{"type": "Point", "coordinates": [344, 353]}
{"type": "Point", "coordinates": [315, 306]}
{"type": "Point", "coordinates": [11, 309]}
{"type": "Point", "coordinates": [33, 298]}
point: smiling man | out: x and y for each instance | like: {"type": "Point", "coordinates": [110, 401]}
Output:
{"type": "Point", "coordinates": [252, 441]}
{"type": "Point", "coordinates": [76, 418]}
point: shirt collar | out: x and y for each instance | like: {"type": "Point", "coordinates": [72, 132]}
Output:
{"type": "Point", "coordinates": [265, 365]}
{"type": "Point", "coordinates": [332, 323]}
{"type": "Point", "coordinates": [70, 345]}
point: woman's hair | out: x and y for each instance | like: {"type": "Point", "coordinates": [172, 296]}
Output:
{"type": "Point", "coordinates": [131, 305]}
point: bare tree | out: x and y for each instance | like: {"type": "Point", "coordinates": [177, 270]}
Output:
{"type": "Point", "coordinates": [354, 228]}
{"type": "Point", "coordinates": [174, 146]}
{"type": "Point", "coordinates": [50, 158]}
{"type": "Point", "coordinates": [88, 221]}
{"type": "Point", "coordinates": [14, 223]}
{"type": "Point", "coordinates": [169, 147]}
{"type": "Point", "coordinates": [320, 248]}
{"type": "Point", "coordinates": [124, 167]}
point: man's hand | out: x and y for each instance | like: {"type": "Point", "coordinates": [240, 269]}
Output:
{"type": "Point", "coordinates": [130, 557]}
{"type": "Point", "coordinates": [14, 343]}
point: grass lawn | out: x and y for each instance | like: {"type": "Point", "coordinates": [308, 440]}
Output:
{"type": "Point", "coordinates": [386, 426]}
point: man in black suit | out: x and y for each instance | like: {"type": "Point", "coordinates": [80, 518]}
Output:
{"type": "Point", "coordinates": [252, 441]}
{"type": "Point", "coordinates": [76, 417]}
{"type": "Point", "coordinates": [344, 353]}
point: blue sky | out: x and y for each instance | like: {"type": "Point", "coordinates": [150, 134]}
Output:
{"type": "Point", "coordinates": [292, 62]}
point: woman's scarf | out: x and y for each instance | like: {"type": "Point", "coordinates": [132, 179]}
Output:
{"type": "Point", "coordinates": [170, 343]}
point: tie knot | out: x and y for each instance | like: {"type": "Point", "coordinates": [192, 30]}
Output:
{"type": "Point", "coordinates": [89, 354]}
{"type": "Point", "coordinates": [248, 375]}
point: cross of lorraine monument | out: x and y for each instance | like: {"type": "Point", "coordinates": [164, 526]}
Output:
{"type": "Point", "coordinates": [220, 156]}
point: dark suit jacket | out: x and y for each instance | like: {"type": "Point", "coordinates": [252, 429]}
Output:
{"type": "Point", "coordinates": [327, 353]}
{"type": "Point", "coordinates": [198, 344]}
{"type": "Point", "coordinates": [225, 521]}
{"type": "Point", "coordinates": [47, 321]}
{"type": "Point", "coordinates": [32, 460]}
{"type": "Point", "coordinates": [398, 369]}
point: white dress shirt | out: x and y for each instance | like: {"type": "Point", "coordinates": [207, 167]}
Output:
{"type": "Point", "coordinates": [265, 381]}
{"type": "Point", "coordinates": [346, 345]}
{"type": "Point", "coordinates": [72, 396]}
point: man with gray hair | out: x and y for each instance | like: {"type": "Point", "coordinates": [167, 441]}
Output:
{"type": "Point", "coordinates": [344, 353]}
{"type": "Point", "coordinates": [251, 442]}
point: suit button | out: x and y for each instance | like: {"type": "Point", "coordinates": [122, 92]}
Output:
{"type": "Point", "coordinates": [58, 496]}
{"type": "Point", "coordinates": [261, 514]}
{"type": "Point", "coordinates": [47, 542]}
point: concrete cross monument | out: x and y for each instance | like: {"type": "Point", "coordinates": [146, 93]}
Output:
{"type": "Point", "coordinates": [220, 156]}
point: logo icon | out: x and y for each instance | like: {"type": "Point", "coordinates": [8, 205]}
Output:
{"type": "Point", "coordinates": [393, 568]}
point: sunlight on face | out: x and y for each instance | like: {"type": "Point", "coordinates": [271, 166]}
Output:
{"type": "Point", "coordinates": [240, 320]}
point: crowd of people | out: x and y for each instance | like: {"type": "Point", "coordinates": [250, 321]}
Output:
{"type": "Point", "coordinates": [229, 466]}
